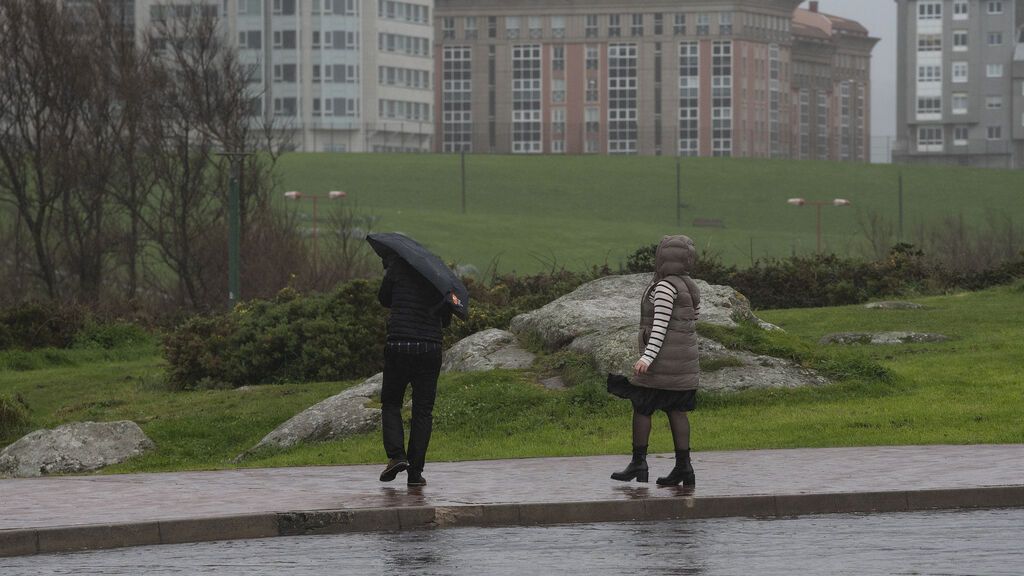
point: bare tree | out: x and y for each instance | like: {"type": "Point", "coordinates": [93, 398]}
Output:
{"type": "Point", "coordinates": [41, 89]}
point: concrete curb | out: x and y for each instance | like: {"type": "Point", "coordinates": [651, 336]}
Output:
{"type": "Point", "coordinates": [683, 506]}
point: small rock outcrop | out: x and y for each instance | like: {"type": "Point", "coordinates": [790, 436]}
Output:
{"type": "Point", "coordinates": [895, 305]}
{"type": "Point", "coordinates": [488, 350]}
{"type": "Point", "coordinates": [74, 448]}
{"type": "Point", "coordinates": [341, 415]}
{"type": "Point", "coordinates": [882, 338]}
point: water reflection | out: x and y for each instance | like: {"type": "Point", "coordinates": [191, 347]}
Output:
{"type": "Point", "coordinates": [987, 542]}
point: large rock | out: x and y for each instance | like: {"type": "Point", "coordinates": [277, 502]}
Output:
{"type": "Point", "coordinates": [74, 448]}
{"type": "Point", "coordinates": [488, 350]}
{"type": "Point", "coordinates": [341, 415]}
{"type": "Point", "coordinates": [600, 319]}
{"type": "Point", "coordinates": [893, 305]}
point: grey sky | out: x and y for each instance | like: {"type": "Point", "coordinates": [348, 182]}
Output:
{"type": "Point", "coordinates": [879, 17]}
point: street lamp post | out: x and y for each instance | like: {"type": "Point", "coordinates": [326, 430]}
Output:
{"type": "Point", "coordinates": [818, 204]}
{"type": "Point", "coordinates": [332, 195]}
{"type": "Point", "coordinates": [234, 227]}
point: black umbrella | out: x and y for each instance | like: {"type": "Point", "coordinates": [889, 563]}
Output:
{"type": "Point", "coordinates": [426, 263]}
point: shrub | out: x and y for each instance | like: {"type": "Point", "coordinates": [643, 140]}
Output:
{"type": "Point", "coordinates": [14, 415]}
{"type": "Point", "coordinates": [39, 325]}
{"type": "Point", "coordinates": [111, 335]}
{"type": "Point", "coordinates": [290, 338]}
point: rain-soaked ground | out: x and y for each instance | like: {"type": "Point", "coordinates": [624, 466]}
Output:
{"type": "Point", "coordinates": [989, 542]}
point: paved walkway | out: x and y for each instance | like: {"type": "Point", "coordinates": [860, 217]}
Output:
{"type": "Point", "coordinates": [546, 490]}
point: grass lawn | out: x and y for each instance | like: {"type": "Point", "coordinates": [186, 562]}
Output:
{"type": "Point", "coordinates": [528, 213]}
{"type": "Point", "coordinates": [968, 390]}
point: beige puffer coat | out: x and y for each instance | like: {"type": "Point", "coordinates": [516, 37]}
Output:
{"type": "Point", "coordinates": [677, 366]}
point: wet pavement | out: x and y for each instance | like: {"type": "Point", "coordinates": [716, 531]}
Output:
{"type": "Point", "coordinates": [940, 543]}
{"type": "Point", "coordinates": [84, 500]}
{"type": "Point", "coordinates": [52, 515]}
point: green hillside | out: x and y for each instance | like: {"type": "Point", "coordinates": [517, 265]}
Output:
{"type": "Point", "coordinates": [530, 212]}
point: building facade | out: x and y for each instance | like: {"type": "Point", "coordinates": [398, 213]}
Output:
{"type": "Point", "coordinates": [656, 77]}
{"type": "Point", "coordinates": [341, 75]}
{"type": "Point", "coordinates": [961, 82]}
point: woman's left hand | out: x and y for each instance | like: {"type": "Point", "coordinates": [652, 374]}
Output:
{"type": "Point", "coordinates": [640, 367]}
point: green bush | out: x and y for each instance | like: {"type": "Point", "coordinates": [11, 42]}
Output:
{"type": "Point", "coordinates": [111, 335]}
{"type": "Point", "coordinates": [292, 338]}
{"type": "Point", "coordinates": [14, 415]}
{"type": "Point", "coordinates": [38, 325]}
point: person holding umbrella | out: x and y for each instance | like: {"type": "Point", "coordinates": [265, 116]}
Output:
{"type": "Point", "coordinates": [422, 294]}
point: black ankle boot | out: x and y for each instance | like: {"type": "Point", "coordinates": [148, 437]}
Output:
{"type": "Point", "coordinates": [682, 473]}
{"type": "Point", "coordinates": [637, 467]}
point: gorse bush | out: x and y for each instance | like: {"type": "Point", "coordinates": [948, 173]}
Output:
{"type": "Point", "coordinates": [14, 415]}
{"type": "Point", "coordinates": [38, 325]}
{"type": "Point", "coordinates": [829, 280]}
{"type": "Point", "coordinates": [292, 338]}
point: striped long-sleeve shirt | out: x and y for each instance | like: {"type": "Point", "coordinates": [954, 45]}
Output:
{"type": "Point", "coordinates": [663, 296]}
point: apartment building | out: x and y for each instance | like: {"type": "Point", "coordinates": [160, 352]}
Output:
{"type": "Point", "coordinates": [654, 77]}
{"type": "Point", "coordinates": [341, 75]}
{"type": "Point", "coordinates": [961, 82]}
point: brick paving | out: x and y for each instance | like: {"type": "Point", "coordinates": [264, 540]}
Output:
{"type": "Point", "coordinates": [135, 498]}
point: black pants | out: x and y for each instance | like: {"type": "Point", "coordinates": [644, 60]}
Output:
{"type": "Point", "coordinates": [419, 364]}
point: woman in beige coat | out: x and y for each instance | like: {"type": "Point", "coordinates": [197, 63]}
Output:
{"type": "Point", "coordinates": [667, 373]}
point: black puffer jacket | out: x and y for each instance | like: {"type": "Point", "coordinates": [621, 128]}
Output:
{"type": "Point", "coordinates": [418, 310]}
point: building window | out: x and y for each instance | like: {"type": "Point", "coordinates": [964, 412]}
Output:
{"type": "Point", "coordinates": [929, 43]}
{"type": "Point", "coordinates": [703, 25]}
{"type": "Point", "coordinates": [823, 127]}
{"type": "Point", "coordinates": [721, 98]}
{"type": "Point", "coordinates": [456, 98]}
{"type": "Point", "coordinates": [929, 10]}
{"type": "Point", "coordinates": [994, 102]}
{"type": "Point", "coordinates": [689, 99]}
{"type": "Point", "coordinates": [558, 26]}
{"type": "Point", "coordinates": [725, 23]}
{"type": "Point", "coordinates": [679, 25]}
{"type": "Point", "coordinates": [960, 40]}
{"type": "Point", "coordinates": [590, 26]}
{"type": "Point", "coordinates": [622, 98]}
{"type": "Point", "coordinates": [929, 106]}
{"type": "Point", "coordinates": [960, 134]}
{"type": "Point", "coordinates": [284, 7]}
{"type": "Point", "coordinates": [929, 139]}
{"type": "Point", "coordinates": [558, 90]}
{"type": "Point", "coordinates": [637, 29]}
{"type": "Point", "coordinates": [959, 72]}
{"type": "Point", "coordinates": [659, 24]}
{"type": "Point", "coordinates": [558, 57]}
{"type": "Point", "coordinates": [470, 29]}
{"type": "Point", "coordinates": [512, 27]}
{"type": "Point", "coordinates": [995, 7]}
{"type": "Point", "coordinates": [929, 73]}
{"type": "Point", "coordinates": [284, 39]}
{"type": "Point", "coordinates": [592, 58]}
{"type": "Point", "coordinates": [536, 27]}
{"type": "Point", "coordinates": [448, 28]}
{"type": "Point", "coordinates": [492, 26]}
{"type": "Point", "coordinates": [995, 38]}
{"type": "Point", "coordinates": [558, 120]}
{"type": "Point", "coordinates": [959, 103]}
{"type": "Point", "coordinates": [995, 132]}
{"type": "Point", "coordinates": [614, 25]}
{"type": "Point", "coordinates": [526, 99]}
{"type": "Point", "coordinates": [994, 70]}
{"type": "Point", "coordinates": [960, 9]}
{"type": "Point", "coordinates": [592, 119]}
{"type": "Point", "coordinates": [805, 124]}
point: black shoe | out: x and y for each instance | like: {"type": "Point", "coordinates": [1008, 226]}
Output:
{"type": "Point", "coordinates": [636, 470]}
{"type": "Point", "coordinates": [680, 474]}
{"type": "Point", "coordinates": [395, 465]}
{"type": "Point", "coordinates": [416, 479]}
{"type": "Point", "coordinates": [637, 467]}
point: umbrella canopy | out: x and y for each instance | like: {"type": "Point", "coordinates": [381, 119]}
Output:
{"type": "Point", "coordinates": [428, 264]}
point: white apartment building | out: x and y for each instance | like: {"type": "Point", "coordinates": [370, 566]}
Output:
{"type": "Point", "coordinates": [961, 82]}
{"type": "Point", "coordinates": [341, 75]}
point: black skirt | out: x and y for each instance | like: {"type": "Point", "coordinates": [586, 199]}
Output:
{"type": "Point", "coordinates": [647, 401]}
